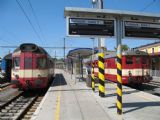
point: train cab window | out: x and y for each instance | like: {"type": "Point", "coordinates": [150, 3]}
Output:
{"type": "Point", "coordinates": [41, 63]}
{"type": "Point", "coordinates": [27, 63]}
{"type": "Point", "coordinates": [129, 60]}
{"type": "Point", "coordinates": [138, 60]}
{"type": "Point", "coordinates": [16, 62]}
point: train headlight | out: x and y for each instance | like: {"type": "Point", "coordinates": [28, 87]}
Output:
{"type": "Point", "coordinates": [17, 77]}
{"type": "Point", "coordinates": [147, 73]}
{"type": "Point", "coordinates": [129, 73]}
{"type": "Point", "coordinates": [39, 75]}
{"type": "Point", "coordinates": [38, 82]}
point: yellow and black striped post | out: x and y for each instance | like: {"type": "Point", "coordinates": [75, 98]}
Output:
{"type": "Point", "coordinates": [101, 85]}
{"type": "Point", "coordinates": [93, 79]}
{"type": "Point", "coordinates": [119, 80]}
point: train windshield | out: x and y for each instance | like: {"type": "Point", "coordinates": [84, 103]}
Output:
{"type": "Point", "coordinates": [28, 63]}
{"type": "Point", "coordinates": [16, 62]}
{"type": "Point", "coordinates": [41, 63]}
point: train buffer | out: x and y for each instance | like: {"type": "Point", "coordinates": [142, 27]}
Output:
{"type": "Point", "coordinates": [67, 100]}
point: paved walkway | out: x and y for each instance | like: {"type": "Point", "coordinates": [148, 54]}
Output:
{"type": "Point", "coordinates": [70, 99]}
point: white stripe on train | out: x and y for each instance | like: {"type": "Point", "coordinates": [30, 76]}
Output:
{"type": "Point", "coordinates": [32, 73]}
{"type": "Point", "coordinates": [135, 72]}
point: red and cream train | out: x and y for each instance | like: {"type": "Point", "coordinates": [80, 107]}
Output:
{"type": "Point", "coordinates": [135, 67]}
{"type": "Point", "coordinates": [32, 67]}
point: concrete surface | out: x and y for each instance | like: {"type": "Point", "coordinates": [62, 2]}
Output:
{"type": "Point", "coordinates": [70, 99]}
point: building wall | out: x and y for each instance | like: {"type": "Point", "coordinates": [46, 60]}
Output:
{"type": "Point", "coordinates": [154, 51]}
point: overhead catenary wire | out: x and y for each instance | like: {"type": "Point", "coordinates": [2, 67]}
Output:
{"type": "Point", "coordinates": [148, 5]}
{"type": "Point", "coordinates": [6, 40]}
{"type": "Point", "coordinates": [36, 19]}
{"type": "Point", "coordinates": [5, 46]}
{"type": "Point", "coordinates": [28, 19]}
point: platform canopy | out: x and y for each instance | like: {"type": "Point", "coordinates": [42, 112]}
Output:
{"type": "Point", "coordinates": [102, 13]}
{"type": "Point", "coordinates": [80, 53]}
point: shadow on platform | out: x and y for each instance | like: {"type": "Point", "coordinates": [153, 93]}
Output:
{"type": "Point", "coordinates": [138, 105]}
{"type": "Point", "coordinates": [59, 80]}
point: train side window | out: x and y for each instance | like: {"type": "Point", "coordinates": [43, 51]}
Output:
{"type": "Point", "coordinates": [16, 62]}
{"type": "Point", "coordinates": [144, 60]}
{"type": "Point", "coordinates": [41, 63]}
{"type": "Point", "coordinates": [27, 63]}
{"type": "Point", "coordinates": [129, 60]}
{"type": "Point", "coordinates": [138, 60]}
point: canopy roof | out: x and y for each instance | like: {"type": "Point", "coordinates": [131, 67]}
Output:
{"type": "Point", "coordinates": [80, 53]}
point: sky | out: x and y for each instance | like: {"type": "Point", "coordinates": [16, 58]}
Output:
{"type": "Point", "coordinates": [45, 24]}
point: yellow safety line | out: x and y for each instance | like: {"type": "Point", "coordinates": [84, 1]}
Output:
{"type": "Point", "coordinates": [57, 112]}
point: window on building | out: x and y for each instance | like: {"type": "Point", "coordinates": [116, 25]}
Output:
{"type": "Point", "coordinates": [159, 49]}
{"type": "Point", "coordinates": [152, 50]}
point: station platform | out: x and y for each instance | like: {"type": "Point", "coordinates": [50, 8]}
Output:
{"type": "Point", "coordinates": [70, 99]}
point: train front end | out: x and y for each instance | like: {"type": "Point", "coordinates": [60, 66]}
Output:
{"type": "Point", "coordinates": [136, 67]}
{"type": "Point", "coordinates": [29, 70]}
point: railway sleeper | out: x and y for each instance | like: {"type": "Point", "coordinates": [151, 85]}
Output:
{"type": "Point", "coordinates": [13, 111]}
{"type": "Point", "coordinates": [7, 115]}
{"type": "Point", "coordinates": [6, 118]}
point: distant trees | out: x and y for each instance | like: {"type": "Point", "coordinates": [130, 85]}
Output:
{"type": "Point", "coordinates": [124, 47]}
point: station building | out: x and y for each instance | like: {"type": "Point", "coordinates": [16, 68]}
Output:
{"type": "Point", "coordinates": [154, 50]}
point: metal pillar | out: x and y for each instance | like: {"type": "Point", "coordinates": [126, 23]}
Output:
{"type": "Point", "coordinates": [92, 74]}
{"type": "Point", "coordinates": [79, 57]}
{"type": "Point", "coordinates": [119, 65]}
{"type": "Point", "coordinates": [82, 67]}
{"type": "Point", "coordinates": [92, 77]}
{"type": "Point", "coordinates": [101, 85]}
{"type": "Point", "coordinates": [64, 51]}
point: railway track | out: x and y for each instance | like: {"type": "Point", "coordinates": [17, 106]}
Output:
{"type": "Point", "coordinates": [33, 108]}
{"type": "Point", "coordinates": [16, 108]}
{"type": "Point", "coordinates": [153, 83]}
{"type": "Point", "coordinates": [4, 86]}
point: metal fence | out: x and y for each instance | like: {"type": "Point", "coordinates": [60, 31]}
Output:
{"type": "Point", "coordinates": [155, 73]}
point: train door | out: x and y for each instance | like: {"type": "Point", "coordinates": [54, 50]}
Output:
{"type": "Point", "coordinates": [145, 65]}
{"type": "Point", "coordinates": [28, 66]}
{"type": "Point", "coordinates": [138, 66]}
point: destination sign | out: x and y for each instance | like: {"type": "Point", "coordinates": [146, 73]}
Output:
{"type": "Point", "coordinates": [95, 27]}
{"type": "Point", "coordinates": [142, 30]}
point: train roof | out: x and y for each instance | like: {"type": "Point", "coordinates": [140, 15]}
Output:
{"type": "Point", "coordinates": [129, 52]}
{"type": "Point", "coordinates": [30, 47]}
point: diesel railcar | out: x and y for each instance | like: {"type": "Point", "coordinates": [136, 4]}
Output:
{"type": "Point", "coordinates": [135, 67]}
{"type": "Point", "coordinates": [32, 67]}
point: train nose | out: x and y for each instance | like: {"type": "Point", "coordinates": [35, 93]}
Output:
{"type": "Point", "coordinates": [28, 84]}
{"type": "Point", "coordinates": [38, 82]}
